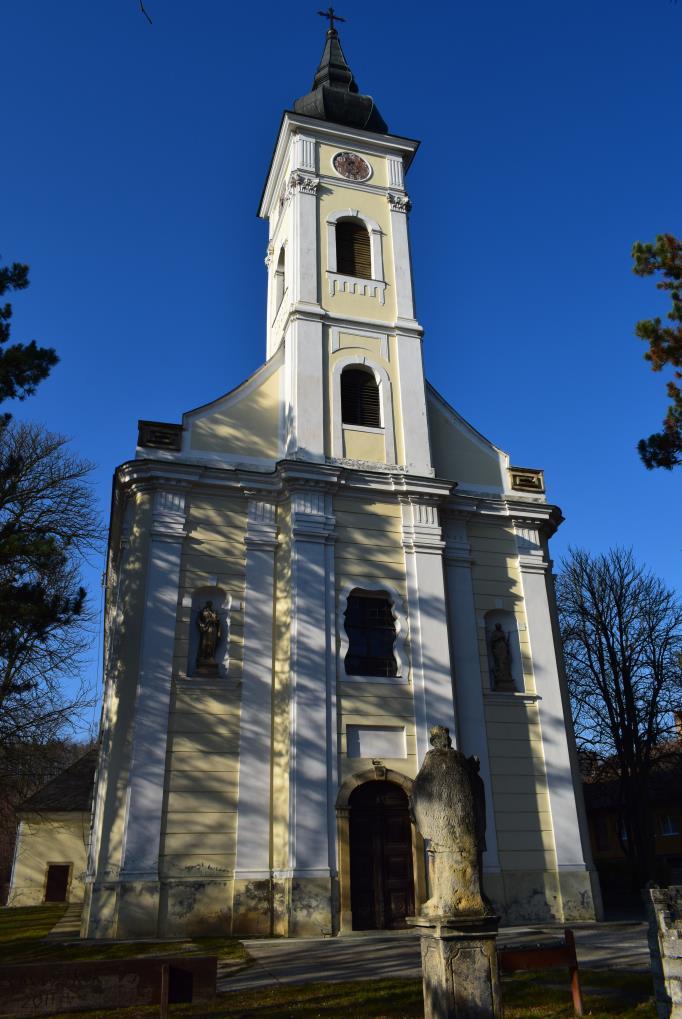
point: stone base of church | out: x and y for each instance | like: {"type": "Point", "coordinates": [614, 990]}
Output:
{"type": "Point", "coordinates": [195, 908]}
{"type": "Point", "coordinates": [527, 896]}
{"type": "Point", "coordinates": [150, 909]}
{"type": "Point", "coordinates": [313, 907]}
{"type": "Point", "coordinates": [253, 907]}
{"type": "Point", "coordinates": [306, 906]}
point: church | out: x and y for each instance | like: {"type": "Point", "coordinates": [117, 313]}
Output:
{"type": "Point", "coordinates": [308, 573]}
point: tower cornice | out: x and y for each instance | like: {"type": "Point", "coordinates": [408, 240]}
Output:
{"type": "Point", "coordinates": [293, 124]}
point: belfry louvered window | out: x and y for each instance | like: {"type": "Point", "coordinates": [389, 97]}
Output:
{"type": "Point", "coordinates": [370, 627]}
{"type": "Point", "coordinates": [353, 255]}
{"type": "Point", "coordinates": [360, 398]}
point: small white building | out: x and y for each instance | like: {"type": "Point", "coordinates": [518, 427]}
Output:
{"type": "Point", "coordinates": [52, 838]}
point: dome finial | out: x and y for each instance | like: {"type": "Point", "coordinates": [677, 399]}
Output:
{"type": "Point", "coordinates": [335, 95]}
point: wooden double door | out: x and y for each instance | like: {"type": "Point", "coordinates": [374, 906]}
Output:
{"type": "Point", "coordinates": [381, 876]}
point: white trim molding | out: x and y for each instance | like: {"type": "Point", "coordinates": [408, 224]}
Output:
{"type": "Point", "coordinates": [342, 284]}
{"type": "Point", "coordinates": [385, 404]}
{"type": "Point", "coordinates": [400, 650]}
{"type": "Point", "coordinates": [362, 334]}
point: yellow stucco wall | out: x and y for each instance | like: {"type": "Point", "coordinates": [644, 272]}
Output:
{"type": "Point", "coordinates": [519, 784]}
{"type": "Point", "coordinates": [457, 453]}
{"type": "Point", "coordinates": [59, 838]}
{"type": "Point", "coordinates": [326, 153]}
{"type": "Point", "coordinates": [245, 423]}
{"type": "Point", "coordinates": [369, 551]}
{"type": "Point", "coordinates": [200, 821]}
{"type": "Point", "coordinates": [365, 445]}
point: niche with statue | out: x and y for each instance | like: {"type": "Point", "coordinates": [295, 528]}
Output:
{"type": "Point", "coordinates": [209, 633]}
{"type": "Point", "coordinates": [504, 651]}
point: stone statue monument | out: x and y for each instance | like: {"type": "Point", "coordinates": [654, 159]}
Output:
{"type": "Point", "coordinates": [499, 646]}
{"type": "Point", "coordinates": [448, 807]}
{"type": "Point", "coordinates": [457, 924]}
{"type": "Point", "coordinates": [208, 622]}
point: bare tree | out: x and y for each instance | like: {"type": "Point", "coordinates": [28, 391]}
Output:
{"type": "Point", "coordinates": [48, 525]}
{"type": "Point", "coordinates": [621, 630]}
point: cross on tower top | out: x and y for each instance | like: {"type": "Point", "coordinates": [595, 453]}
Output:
{"type": "Point", "coordinates": [329, 13]}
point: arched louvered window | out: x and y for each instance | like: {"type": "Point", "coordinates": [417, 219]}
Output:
{"type": "Point", "coordinates": [370, 627]}
{"type": "Point", "coordinates": [280, 279]}
{"type": "Point", "coordinates": [353, 255]}
{"type": "Point", "coordinates": [360, 398]}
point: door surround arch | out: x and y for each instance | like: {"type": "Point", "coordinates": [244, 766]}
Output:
{"type": "Point", "coordinates": [376, 774]}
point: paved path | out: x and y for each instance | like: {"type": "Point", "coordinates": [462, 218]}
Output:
{"type": "Point", "coordinates": [396, 954]}
{"type": "Point", "coordinates": [70, 924]}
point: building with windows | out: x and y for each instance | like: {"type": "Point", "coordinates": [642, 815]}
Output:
{"type": "Point", "coordinates": [308, 573]}
{"type": "Point", "coordinates": [609, 834]}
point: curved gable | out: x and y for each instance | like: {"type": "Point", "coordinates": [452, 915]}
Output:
{"type": "Point", "coordinates": [245, 424]}
{"type": "Point", "coordinates": [459, 452]}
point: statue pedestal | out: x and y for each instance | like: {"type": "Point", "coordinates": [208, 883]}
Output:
{"type": "Point", "coordinates": [459, 966]}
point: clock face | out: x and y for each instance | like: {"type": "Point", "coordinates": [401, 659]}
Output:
{"type": "Point", "coordinates": [351, 165]}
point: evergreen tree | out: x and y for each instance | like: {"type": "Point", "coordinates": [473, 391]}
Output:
{"type": "Point", "coordinates": [22, 365]}
{"type": "Point", "coordinates": [663, 258]}
{"type": "Point", "coordinates": [48, 522]}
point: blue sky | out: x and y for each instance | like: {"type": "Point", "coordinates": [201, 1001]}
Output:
{"type": "Point", "coordinates": [132, 161]}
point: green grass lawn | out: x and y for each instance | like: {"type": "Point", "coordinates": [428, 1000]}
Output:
{"type": "Point", "coordinates": [22, 931]}
{"type": "Point", "coordinates": [526, 996]}
{"type": "Point", "coordinates": [546, 995]}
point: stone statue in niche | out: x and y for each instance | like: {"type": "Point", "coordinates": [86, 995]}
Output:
{"type": "Point", "coordinates": [448, 807]}
{"type": "Point", "coordinates": [501, 659]}
{"type": "Point", "coordinates": [208, 622]}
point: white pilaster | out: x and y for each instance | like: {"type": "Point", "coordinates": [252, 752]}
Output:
{"type": "Point", "coordinates": [427, 612]}
{"type": "Point", "coordinates": [305, 389]}
{"type": "Point", "coordinates": [148, 760]}
{"type": "Point", "coordinates": [553, 707]}
{"type": "Point", "coordinates": [305, 259]}
{"type": "Point", "coordinates": [255, 742]}
{"type": "Point", "coordinates": [399, 206]}
{"type": "Point", "coordinates": [313, 701]}
{"type": "Point", "coordinates": [413, 402]}
{"type": "Point", "coordinates": [467, 669]}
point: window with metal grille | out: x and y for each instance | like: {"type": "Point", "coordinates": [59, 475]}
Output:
{"type": "Point", "coordinates": [370, 627]}
{"type": "Point", "coordinates": [353, 255]}
{"type": "Point", "coordinates": [360, 398]}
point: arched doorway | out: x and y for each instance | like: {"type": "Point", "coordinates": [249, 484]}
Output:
{"type": "Point", "coordinates": [380, 838]}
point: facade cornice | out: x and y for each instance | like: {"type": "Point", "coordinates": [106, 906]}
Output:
{"type": "Point", "coordinates": [492, 511]}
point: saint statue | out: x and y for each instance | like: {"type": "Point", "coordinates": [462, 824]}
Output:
{"type": "Point", "coordinates": [448, 807]}
{"type": "Point", "coordinates": [208, 622]}
{"type": "Point", "coordinates": [499, 646]}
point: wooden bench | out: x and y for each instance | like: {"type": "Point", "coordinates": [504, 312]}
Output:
{"type": "Point", "coordinates": [546, 956]}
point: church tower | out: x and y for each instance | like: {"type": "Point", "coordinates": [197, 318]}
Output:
{"type": "Point", "coordinates": [340, 295]}
{"type": "Point", "coordinates": [308, 573]}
